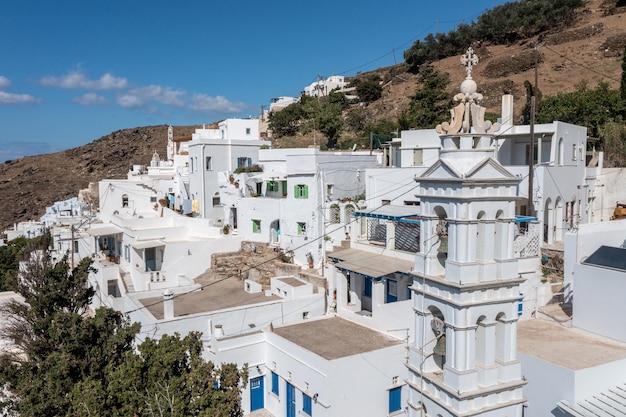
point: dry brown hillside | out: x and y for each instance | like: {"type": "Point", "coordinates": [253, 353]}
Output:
{"type": "Point", "coordinates": [30, 184]}
{"type": "Point", "coordinates": [589, 51]}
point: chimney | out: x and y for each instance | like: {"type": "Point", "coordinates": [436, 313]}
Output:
{"type": "Point", "coordinates": [168, 304]}
{"type": "Point", "coordinates": [507, 110]}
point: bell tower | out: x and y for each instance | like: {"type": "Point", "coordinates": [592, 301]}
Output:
{"type": "Point", "coordinates": [466, 289]}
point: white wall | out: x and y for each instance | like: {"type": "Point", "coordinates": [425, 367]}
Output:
{"type": "Point", "coordinates": [599, 301]}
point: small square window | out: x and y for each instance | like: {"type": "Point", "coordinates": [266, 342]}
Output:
{"type": "Point", "coordinates": [248, 131]}
{"type": "Point", "coordinates": [216, 201]}
{"type": "Point", "coordinates": [301, 228]}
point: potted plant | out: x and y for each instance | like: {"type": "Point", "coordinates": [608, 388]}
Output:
{"type": "Point", "coordinates": [226, 229]}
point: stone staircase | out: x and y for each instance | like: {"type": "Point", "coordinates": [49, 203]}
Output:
{"type": "Point", "coordinates": [127, 280]}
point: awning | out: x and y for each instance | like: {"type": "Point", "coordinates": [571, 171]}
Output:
{"type": "Point", "coordinates": [409, 214]}
{"type": "Point", "coordinates": [611, 402]}
{"type": "Point", "coordinates": [522, 219]}
{"type": "Point", "coordinates": [369, 264]}
{"type": "Point", "coordinates": [107, 230]}
{"type": "Point", "coordinates": [148, 244]}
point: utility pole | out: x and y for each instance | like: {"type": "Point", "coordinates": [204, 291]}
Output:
{"type": "Point", "coordinates": [530, 210]}
{"type": "Point", "coordinates": [72, 246]}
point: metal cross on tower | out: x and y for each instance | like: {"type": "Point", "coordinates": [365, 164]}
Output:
{"type": "Point", "coordinates": [469, 60]}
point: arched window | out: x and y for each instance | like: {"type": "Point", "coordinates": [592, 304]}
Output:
{"type": "Point", "coordinates": [348, 210]}
{"type": "Point", "coordinates": [561, 151]}
{"type": "Point", "coordinates": [335, 214]}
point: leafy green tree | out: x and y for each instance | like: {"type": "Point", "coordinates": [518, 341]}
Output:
{"type": "Point", "coordinates": [286, 122]}
{"type": "Point", "coordinates": [588, 107]}
{"type": "Point", "coordinates": [65, 362]}
{"type": "Point", "coordinates": [369, 89]}
{"type": "Point", "coordinates": [167, 377]}
{"type": "Point", "coordinates": [9, 260]}
{"type": "Point", "coordinates": [331, 124]}
{"type": "Point", "coordinates": [430, 104]}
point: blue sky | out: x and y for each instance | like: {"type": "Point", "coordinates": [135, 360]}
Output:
{"type": "Point", "coordinates": [75, 70]}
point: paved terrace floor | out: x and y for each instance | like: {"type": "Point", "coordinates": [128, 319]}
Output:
{"type": "Point", "coordinates": [568, 347]}
{"type": "Point", "coordinates": [335, 338]}
{"type": "Point", "coordinates": [215, 295]}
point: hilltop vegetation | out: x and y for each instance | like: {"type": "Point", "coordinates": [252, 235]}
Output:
{"type": "Point", "coordinates": [579, 47]}
{"type": "Point", "coordinates": [600, 108]}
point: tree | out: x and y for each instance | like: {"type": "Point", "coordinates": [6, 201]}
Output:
{"type": "Point", "coordinates": [65, 362]}
{"type": "Point", "coordinates": [168, 377]}
{"type": "Point", "coordinates": [9, 260]}
{"type": "Point", "coordinates": [369, 89]}
{"type": "Point", "coordinates": [430, 105]}
{"type": "Point", "coordinates": [286, 122]}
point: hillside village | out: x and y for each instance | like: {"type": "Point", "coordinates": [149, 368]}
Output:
{"type": "Point", "coordinates": [415, 280]}
{"type": "Point", "coordinates": [473, 269]}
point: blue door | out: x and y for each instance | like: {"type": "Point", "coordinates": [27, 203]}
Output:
{"type": "Point", "coordinates": [291, 400]}
{"type": "Point", "coordinates": [256, 394]}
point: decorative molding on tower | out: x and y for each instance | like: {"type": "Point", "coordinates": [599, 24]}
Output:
{"type": "Point", "coordinates": [468, 116]}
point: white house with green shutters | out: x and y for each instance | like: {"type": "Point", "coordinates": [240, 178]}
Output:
{"type": "Point", "coordinates": [301, 202]}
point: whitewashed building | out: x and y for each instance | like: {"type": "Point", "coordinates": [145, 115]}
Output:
{"type": "Point", "coordinates": [301, 201]}
{"type": "Point", "coordinates": [215, 154]}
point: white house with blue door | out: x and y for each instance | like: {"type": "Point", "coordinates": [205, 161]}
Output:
{"type": "Point", "coordinates": [323, 367]}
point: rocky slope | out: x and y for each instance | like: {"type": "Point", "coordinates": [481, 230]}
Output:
{"type": "Point", "coordinates": [587, 52]}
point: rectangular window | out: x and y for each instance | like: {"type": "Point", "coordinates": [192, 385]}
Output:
{"type": "Point", "coordinates": [272, 186]}
{"type": "Point", "coordinates": [244, 162]}
{"type": "Point", "coordinates": [153, 199]}
{"type": "Point", "coordinates": [75, 246]}
{"type": "Point", "coordinates": [301, 228]}
{"type": "Point", "coordinates": [574, 153]}
{"type": "Point", "coordinates": [248, 130]}
{"type": "Point", "coordinates": [275, 390]}
{"type": "Point", "coordinates": [207, 163]}
{"type": "Point", "coordinates": [112, 288]}
{"type": "Point", "coordinates": [307, 404]}
{"type": "Point", "coordinates": [256, 226]}
{"type": "Point", "coordinates": [417, 157]}
{"type": "Point", "coordinates": [395, 397]}
{"type": "Point", "coordinates": [330, 189]}
{"type": "Point", "coordinates": [386, 202]}
{"type": "Point", "coordinates": [301, 191]}
{"type": "Point", "coordinates": [216, 201]}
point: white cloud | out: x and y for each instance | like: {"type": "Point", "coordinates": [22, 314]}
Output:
{"type": "Point", "coordinates": [90, 98]}
{"type": "Point", "coordinates": [219, 104]}
{"type": "Point", "coordinates": [9, 98]}
{"type": "Point", "coordinates": [77, 79]}
{"type": "Point", "coordinates": [4, 81]}
{"type": "Point", "coordinates": [141, 96]}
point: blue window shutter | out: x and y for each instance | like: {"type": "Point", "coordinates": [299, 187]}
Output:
{"type": "Point", "coordinates": [306, 404]}
{"type": "Point", "coordinates": [275, 383]}
{"type": "Point", "coordinates": [395, 399]}
{"type": "Point", "coordinates": [249, 162]}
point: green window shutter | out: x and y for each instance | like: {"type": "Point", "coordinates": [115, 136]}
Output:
{"type": "Point", "coordinates": [284, 188]}
{"type": "Point", "coordinates": [305, 191]}
{"type": "Point", "coordinates": [296, 192]}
